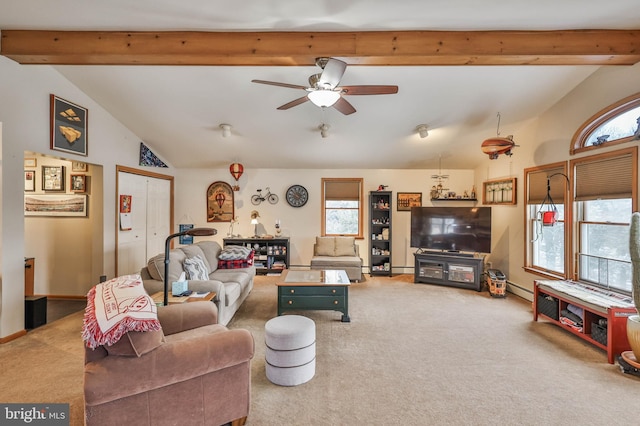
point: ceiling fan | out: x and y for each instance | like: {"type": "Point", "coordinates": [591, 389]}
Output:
{"type": "Point", "coordinates": [323, 89]}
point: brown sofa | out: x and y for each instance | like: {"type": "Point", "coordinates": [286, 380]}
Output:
{"type": "Point", "coordinates": [193, 372]}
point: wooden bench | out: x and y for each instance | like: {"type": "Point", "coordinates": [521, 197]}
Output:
{"type": "Point", "coordinates": [551, 297]}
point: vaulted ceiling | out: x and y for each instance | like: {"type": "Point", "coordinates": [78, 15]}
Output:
{"type": "Point", "coordinates": [172, 72]}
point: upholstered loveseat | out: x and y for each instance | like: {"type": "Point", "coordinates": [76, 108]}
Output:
{"type": "Point", "coordinates": [192, 371]}
{"type": "Point", "coordinates": [338, 253]}
{"type": "Point", "coordinates": [232, 286]}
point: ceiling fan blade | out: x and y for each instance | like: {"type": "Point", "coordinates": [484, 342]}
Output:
{"type": "Point", "coordinates": [332, 73]}
{"type": "Point", "coordinates": [293, 103]}
{"type": "Point", "coordinates": [275, 83]}
{"type": "Point", "coordinates": [368, 90]}
{"type": "Point", "coordinates": [344, 107]}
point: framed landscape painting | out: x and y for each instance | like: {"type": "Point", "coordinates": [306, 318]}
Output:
{"type": "Point", "coordinates": [68, 126]}
{"type": "Point", "coordinates": [55, 205]}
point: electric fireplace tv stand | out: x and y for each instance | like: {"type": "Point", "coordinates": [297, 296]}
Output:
{"type": "Point", "coordinates": [449, 268]}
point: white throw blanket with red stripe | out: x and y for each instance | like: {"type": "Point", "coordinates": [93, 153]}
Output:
{"type": "Point", "coordinates": [116, 307]}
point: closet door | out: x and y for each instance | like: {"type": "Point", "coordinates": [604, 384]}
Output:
{"type": "Point", "coordinates": [149, 220]}
{"type": "Point", "coordinates": [132, 243]}
{"type": "Point", "coordinates": [158, 215]}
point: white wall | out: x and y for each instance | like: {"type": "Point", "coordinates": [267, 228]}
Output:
{"type": "Point", "coordinates": [24, 113]}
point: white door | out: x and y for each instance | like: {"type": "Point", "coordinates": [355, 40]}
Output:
{"type": "Point", "coordinates": [158, 215]}
{"type": "Point", "coordinates": [149, 220]}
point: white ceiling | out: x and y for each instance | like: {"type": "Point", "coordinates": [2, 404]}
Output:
{"type": "Point", "coordinates": [177, 110]}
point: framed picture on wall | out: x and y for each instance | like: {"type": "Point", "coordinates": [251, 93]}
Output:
{"type": "Point", "coordinates": [79, 166]}
{"type": "Point", "coordinates": [53, 178]}
{"type": "Point", "coordinates": [406, 200]}
{"type": "Point", "coordinates": [55, 205]}
{"type": "Point", "coordinates": [79, 183]}
{"type": "Point", "coordinates": [68, 126]}
{"type": "Point", "coordinates": [219, 202]}
{"type": "Point", "coordinates": [29, 180]}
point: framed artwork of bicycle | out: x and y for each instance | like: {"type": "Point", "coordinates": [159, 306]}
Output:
{"type": "Point", "coordinates": [220, 202]}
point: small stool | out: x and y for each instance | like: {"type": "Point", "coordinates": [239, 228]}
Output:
{"type": "Point", "coordinates": [291, 350]}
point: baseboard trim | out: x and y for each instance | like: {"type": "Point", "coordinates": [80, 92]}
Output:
{"type": "Point", "coordinates": [13, 336]}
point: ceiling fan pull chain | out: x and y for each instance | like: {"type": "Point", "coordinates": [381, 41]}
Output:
{"type": "Point", "coordinates": [498, 129]}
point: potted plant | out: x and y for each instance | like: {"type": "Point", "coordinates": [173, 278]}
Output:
{"type": "Point", "coordinates": [633, 322]}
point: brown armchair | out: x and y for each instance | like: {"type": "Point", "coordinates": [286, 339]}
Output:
{"type": "Point", "coordinates": [193, 371]}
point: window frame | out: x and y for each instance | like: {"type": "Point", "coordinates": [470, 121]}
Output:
{"type": "Point", "coordinates": [323, 208]}
{"type": "Point", "coordinates": [578, 217]}
{"type": "Point", "coordinates": [529, 224]}
{"type": "Point", "coordinates": [581, 136]}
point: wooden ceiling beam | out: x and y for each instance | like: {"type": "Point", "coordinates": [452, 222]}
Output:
{"type": "Point", "coordinates": [566, 47]}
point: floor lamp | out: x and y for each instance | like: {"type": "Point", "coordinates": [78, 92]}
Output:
{"type": "Point", "coordinates": [194, 232]}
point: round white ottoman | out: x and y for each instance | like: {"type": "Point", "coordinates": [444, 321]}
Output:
{"type": "Point", "coordinates": [291, 350]}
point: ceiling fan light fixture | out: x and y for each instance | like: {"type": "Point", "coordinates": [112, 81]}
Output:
{"type": "Point", "coordinates": [323, 98]}
{"type": "Point", "coordinates": [226, 130]}
{"type": "Point", "coordinates": [422, 130]}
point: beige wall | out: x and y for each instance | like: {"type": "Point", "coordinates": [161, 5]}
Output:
{"type": "Point", "coordinates": [543, 140]}
{"type": "Point", "coordinates": [303, 224]}
{"type": "Point", "coordinates": [64, 248]}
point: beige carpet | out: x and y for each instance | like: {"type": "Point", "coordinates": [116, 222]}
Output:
{"type": "Point", "coordinates": [413, 354]}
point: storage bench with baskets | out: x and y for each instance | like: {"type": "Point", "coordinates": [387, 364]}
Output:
{"type": "Point", "coordinates": [604, 321]}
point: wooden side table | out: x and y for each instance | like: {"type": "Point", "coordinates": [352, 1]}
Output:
{"type": "Point", "coordinates": [159, 298]}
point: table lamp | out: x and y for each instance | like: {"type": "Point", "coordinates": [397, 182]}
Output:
{"type": "Point", "coordinates": [254, 221]}
{"type": "Point", "coordinates": [194, 232]}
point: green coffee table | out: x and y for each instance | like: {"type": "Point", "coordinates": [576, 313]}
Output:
{"type": "Point", "coordinates": [314, 290]}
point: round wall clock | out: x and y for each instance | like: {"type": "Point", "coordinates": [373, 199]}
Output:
{"type": "Point", "coordinates": [297, 196]}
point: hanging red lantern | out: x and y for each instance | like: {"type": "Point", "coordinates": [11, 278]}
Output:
{"type": "Point", "coordinates": [236, 171]}
{"type": "Point", "coordinates": [220, 199]}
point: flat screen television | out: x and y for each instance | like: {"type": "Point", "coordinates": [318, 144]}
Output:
{"type": "Point", "coordinates": [453, 229]}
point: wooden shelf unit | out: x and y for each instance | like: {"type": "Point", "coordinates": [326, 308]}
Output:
{"type": "Point", "coordinates": [271, 254]}
{"type": "Point", "coordinates": [616, 317]}
{"type": "Point", "coordinates": [380, 231]}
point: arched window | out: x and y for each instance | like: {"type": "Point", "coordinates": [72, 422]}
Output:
{"type": "Point", "coordinates": [618, 123]}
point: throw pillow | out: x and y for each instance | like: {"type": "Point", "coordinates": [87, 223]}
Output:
{"type": "Point", "coordinates": [136, 343]}
{"type": "Point", "coordinates": [196, 269]}
{"type": "Point", "coordinates": [234, 253]}
{"type": "Point", "coordinates": [116, 307]}
{"type": "Point", "coordinates": [345, 246]}
{"type": "Point", "coordinates": [325, 246]}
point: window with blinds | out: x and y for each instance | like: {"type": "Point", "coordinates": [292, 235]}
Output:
{"type": "Point", "coordinates": [605, 196]}
{"type": "Point", "coordinates": [546, 187]}
{"type": "Point", "coordinates": [342, 206]}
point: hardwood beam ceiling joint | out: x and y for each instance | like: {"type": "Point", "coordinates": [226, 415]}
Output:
{"type": "Point", "coordinates": [564, 47]}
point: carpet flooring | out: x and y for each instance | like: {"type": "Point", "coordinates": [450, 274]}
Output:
{"type": "Point", "coordinates": [413, 354]}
